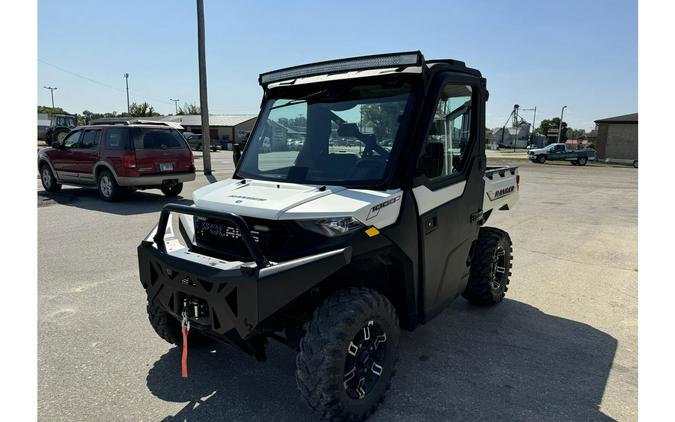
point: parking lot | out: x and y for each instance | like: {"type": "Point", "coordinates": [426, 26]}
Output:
{"type": "Point", "coordinates": [562, 347]}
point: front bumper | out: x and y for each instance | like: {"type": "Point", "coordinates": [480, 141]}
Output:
{"type": "Point", "coordinates": [156, 179]}
{"type": "Point", "coordinates": [234, 297]}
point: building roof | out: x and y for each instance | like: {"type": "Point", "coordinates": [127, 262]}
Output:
{"type": "Point", "coordinates": [214, 119]}
{"type": "Point", "coordinates": [626, 118]}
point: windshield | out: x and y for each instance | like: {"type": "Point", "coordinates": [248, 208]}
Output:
{"type": "Point", "coordinates": [327, 138]}
{"type": "Point", "coordinates": [67, 121]}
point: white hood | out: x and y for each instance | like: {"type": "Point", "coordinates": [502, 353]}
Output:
{"type": "Point", "coordinates": [289, 201]}
{"type": "Point", "coordinates": [255, 198]}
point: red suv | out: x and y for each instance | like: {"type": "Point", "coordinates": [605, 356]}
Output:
{"type": "Point", "coordinates": [119, 158]}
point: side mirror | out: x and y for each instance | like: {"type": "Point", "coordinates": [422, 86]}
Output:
{"type": "Point", "coordinates": [431, 163]}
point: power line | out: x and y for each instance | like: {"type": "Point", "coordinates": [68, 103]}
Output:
{"type": "Point", "coordinates": [80, 76]}
{"type": "Point", "coordinates": [134, 92]}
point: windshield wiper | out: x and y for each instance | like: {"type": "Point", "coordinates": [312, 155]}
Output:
{"type": "Point", "coordinates": [302, 99]}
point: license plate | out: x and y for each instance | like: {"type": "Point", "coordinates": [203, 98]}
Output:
{"type": "Point", "coordinates": [165, 166]}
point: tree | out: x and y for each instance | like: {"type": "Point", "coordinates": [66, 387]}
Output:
{"type": "Point", "coordinates": [188, 108]}
{"type": "Point", "coordinates": [383, 118]}
{"type": "Point", "coordinates": [140, 110]}
{"type": "Point", "coordinates": [576, 133]}
{"type": "Point", "coordinates": [49, 110]}
{"type": "Point", "coordinates": [548, 124]}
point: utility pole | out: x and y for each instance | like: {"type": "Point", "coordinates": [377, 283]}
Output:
{"type": "Point", "coordinates": [175, 102]}
{"type": "Point", "coordinates": [203, 99]}
{"type": "Point", "coordinates": [516, 125]}
{"type": "Point", "coordinates": [561, 120]}
{"type": "Point", "coordinates": [534, 118]}
{"type": "Point", "coordinates": [126, 77]}
{"type": "Point", "coordinates": [51, 88]}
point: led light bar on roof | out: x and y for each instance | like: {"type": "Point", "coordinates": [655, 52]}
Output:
{"type": "Point", "coordinates": [344, 65]}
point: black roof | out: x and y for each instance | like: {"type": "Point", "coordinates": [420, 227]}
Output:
{"type": "Point", "coordinates": [626, 118]}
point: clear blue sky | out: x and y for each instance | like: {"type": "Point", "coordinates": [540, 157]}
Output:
{"type": "Point", "coordinates": [544, 53]}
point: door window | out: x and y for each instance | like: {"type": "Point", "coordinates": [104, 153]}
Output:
{"type": "Point", "coordinates": [90, 139]}
{"type": "Point", "coordinates": [450, 130]}
{"type": "Point", "coordinates": [72, 140]}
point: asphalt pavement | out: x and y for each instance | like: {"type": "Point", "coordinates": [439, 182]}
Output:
{"type": "Point", "coordinates": [561, 347]}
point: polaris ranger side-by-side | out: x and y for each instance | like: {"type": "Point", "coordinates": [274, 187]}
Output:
{"type": "Point", "coordinates": [357, 209]}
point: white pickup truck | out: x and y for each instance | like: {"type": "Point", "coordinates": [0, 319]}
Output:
{"type": "Point", "coordinates": [357, 209]}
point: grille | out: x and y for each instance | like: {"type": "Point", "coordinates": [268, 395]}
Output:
{"type": "Point", "coordinates": [224, 240]}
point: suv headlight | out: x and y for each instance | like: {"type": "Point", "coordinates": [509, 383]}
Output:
{"type": "Point", "coordinates": [331, 226]}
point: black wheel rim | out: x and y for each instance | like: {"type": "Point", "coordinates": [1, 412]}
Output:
{"type": "Point", "coordinates": [499, 269]}
{"type": "Point", "coordinates": [365, 360]}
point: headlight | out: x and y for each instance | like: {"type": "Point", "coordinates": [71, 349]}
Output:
{"type": "Point", "coordinates": [331, 226]}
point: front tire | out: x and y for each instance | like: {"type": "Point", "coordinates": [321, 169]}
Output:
{"type": "Point", "coordinates": [490, 267]}
{"type": "Point", "coordinates": [348, 355]}
{"type": "Point", "coordinates": [582, 161]}
{"type": "Point", "coordinates": [48, 179]}
{"type": "Point", "coordinates": [108, 188]}
{"type": "Point", "coordinates": [172, 191]}
{"type": "Point", "coordinates": [541, 159]}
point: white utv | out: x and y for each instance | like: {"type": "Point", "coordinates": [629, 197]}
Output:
{"type": "Point", "coordinates": [357, 209]}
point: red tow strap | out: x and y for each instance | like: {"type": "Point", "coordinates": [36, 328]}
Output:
{"type": "Point", "coordinates": [183, 362]}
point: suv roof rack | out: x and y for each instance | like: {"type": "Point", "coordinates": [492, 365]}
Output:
{"type": "Point", "coordinates": [116, 121]}
{"type": "Point", "coordinates": [133, 121]}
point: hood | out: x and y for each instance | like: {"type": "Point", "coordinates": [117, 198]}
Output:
{"type": "Point", "coordinates": [256, 198]}
{"type": "Point", "coordinates": [288, 201]}
{"type": "Point", "coordinates": [537, 151]}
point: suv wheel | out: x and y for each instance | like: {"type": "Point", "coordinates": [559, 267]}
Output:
{"type": "Point", "coordinates": [582, 161]}
{"type": "Point", "coordinates": [107, 186]}
{"type": "Point", "coordinates": [48, 179]}
{"type": "Point", "coordinates": [541, 159]}
{"type": "Point", "coordinates": [490, 267]}
{"type": "Point", "coordinates": [172, 191]}
{"type": "Point", "coordinates": [348, 355]}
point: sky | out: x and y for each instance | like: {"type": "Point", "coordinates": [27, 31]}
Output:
{"type": "Point", "coordinates": [547, 54]}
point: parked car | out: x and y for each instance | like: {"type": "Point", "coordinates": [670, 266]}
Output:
{"type": "Point", "coordinates": [196, 141]}
{"type": "Point", "coordinates": [559, 152]}
{"type": "Point", "coordinates": [118, 158]}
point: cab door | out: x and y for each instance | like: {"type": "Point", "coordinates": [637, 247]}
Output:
{"type": "Point", "coordinates": [86, 155]}
{"type": "Point", "coordinates": [63, 157]}
{"type": "Point", "coordinates": [449, 191]}
{"type": "Point", "coordinates": [559, 152]}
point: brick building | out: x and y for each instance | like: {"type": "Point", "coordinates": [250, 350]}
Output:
{"type": "Point", "coordinates": [617, 139]}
